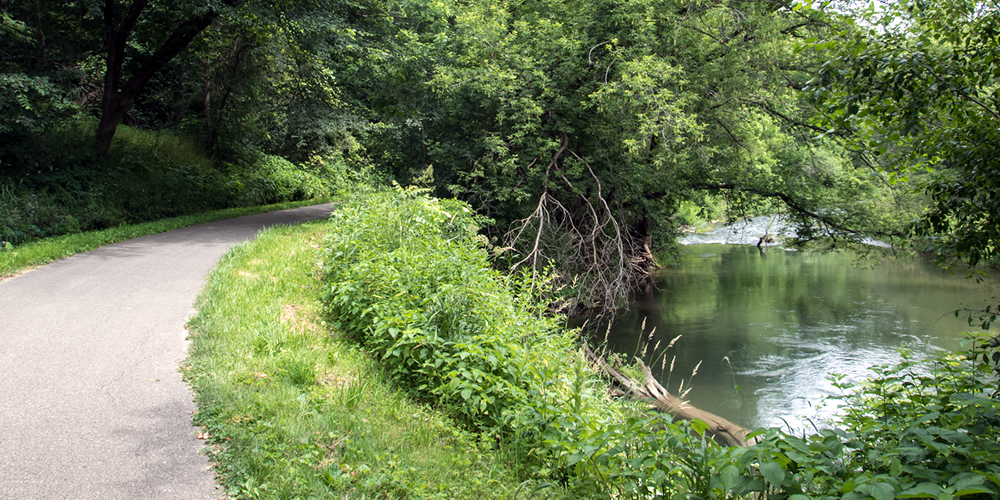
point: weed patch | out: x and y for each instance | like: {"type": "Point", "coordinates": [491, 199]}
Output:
{"type": "Point", "coordinates": [292, 410]}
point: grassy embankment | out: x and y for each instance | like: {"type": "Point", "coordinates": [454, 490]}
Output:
{"type": "Point", "coordinates": [40, 252]}
{"type": "Point", "coordinates": [295, 410]}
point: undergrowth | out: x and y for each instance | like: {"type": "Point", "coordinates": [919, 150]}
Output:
{"type": "Point", "coordinates": [55, 184]}
{"type": "Point", "coordinates": [407, 279]}
{"type": "Point", "coordinates": [290, 409]}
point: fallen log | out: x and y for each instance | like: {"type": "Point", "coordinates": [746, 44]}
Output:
{"type": "Point", "coordinates": [723, 431]}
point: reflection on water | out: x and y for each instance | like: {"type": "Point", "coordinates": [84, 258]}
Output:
{"type": "Point", "coordinates": [775, 325]}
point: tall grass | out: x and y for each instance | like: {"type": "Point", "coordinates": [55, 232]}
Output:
{"type": "Point", "coordinates": [167, 147]}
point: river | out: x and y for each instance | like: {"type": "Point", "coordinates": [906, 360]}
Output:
{"type": "Point", "coordinates": [768, 328]}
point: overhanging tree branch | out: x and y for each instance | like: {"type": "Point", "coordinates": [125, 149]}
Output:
{"type": "Point", "coordinates": [798, 207]}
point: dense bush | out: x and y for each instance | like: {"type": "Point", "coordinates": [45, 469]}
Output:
{"type": "Point", "coordinates": [54, 183]}
{"type": "Point", "coordinates": [406, 276]}
{"type": "Point", "coordinates": [272, 179]}
{"type": "Point", "coordinates": [28, 216]}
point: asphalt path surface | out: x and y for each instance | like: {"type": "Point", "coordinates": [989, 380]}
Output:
{"type": "Point", "coordinates": [92, 405]}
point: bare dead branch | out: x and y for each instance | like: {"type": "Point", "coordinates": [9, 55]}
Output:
{"type": "Point", "coordinates": [584, 240]}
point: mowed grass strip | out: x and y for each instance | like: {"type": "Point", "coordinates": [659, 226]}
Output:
{"type": "Point", "coordinates": [14, 260]}
{"type": "Point", "coordinates": [290, 410]}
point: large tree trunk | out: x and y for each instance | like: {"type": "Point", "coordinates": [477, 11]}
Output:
{"type": "Point", "coordinates": [112, 112]}
{"type": "Point", "coordinates": [650, 390]}
{"type": "Point", "coordinates": [113, 104]}
{"type": "Point", "coordinates": [120, 95]}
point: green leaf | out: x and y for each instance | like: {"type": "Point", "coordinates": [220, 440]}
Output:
{"type": "Point", "coordinates": [730, 475]}
{"type": "Point", "coordinates": [882, 491]}
{"type": "Point", "coordinates": [700, 427]}
{"type": "Point", "coordinates": [922, 490]}
{"type": "Point", "coordinates": [773, 473]}
{"type": "Point", "coordinates": [895, 468]}
{"type": "Point", "coordinates": [973, 490]}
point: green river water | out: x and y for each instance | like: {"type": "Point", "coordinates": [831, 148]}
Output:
{"type": "Point", "coordinates": [768, 329]}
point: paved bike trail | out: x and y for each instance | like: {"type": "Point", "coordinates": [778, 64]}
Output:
{"type": "Point", "coordinates": [92, 405]}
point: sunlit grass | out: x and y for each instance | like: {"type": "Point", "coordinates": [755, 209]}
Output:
{"type": "Point", "coordinates": [167, 147]}
{"type": "Point", "coordinates": [14, 259]}
{"type": "Point", "coordinates": [293, 411]}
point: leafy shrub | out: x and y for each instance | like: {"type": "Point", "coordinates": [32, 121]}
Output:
{"type": "Point", "coordinates": [405, 276]}
{"type": "Point", "coordinates": [64, 187]}
{"type": "Point", "coordinates": [273, 179]}
{"type": "Point", "coordinates": [914, 430]}
{"type": "Point", "coordinates": [26, 216]}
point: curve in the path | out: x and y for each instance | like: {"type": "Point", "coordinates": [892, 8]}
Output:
{"type": "Point", "coordinates": [91, 401]}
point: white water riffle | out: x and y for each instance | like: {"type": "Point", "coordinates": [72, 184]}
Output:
{"type": "Point", "coordinates": [743, 232]}
{"type": "Point", "coordinates": [749, 231]}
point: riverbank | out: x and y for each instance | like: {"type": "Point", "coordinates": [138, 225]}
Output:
{"type": "Point", "coordinates": [419, 328]}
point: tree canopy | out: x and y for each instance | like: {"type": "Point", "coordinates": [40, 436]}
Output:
{"type": "Point", "coordinates": [584, 126]}
{"type": "Point", "coordinates": [581, 128]}
{"type": "Point", "coordinates": [915, 85]}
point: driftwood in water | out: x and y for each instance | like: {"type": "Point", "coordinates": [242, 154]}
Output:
{"type": "Point", "coordinates": [650, 390]}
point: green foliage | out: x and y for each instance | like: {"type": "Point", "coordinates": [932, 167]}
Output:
{"type": "Point", "coordinates": [29, 104]}
{"type": "Point", "coordinates": [581, 128]}
{"type": "Point", "coordinates": [28, 216]}
{"type": "Point", "coordinates": [273, 179]}
{"type": "Point", "coordinates": [915, 430]}
{"type": "Point", "coordinates": [915, 84]}
{"type": "Point", "coordinates": [63, 187]}
{"type": "Point", "coordinates": [291, 410]}
{"type": "Point", "coordinates": [929, 424]}
{"type": "Point", "coordinates": [406, 275]}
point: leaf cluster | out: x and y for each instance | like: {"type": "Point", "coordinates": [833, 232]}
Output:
{"type": "Point", "coordinates": [916, 85]}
